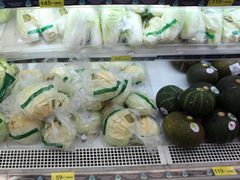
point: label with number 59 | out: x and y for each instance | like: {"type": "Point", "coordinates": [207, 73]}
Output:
{"type": "Point", "coordinates": [63, 176]}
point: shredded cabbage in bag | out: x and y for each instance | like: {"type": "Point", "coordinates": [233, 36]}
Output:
{"type": "Point", "coordinates": [5, 15]}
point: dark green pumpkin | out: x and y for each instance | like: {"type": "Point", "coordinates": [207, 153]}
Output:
{"type": "Point", "coordinates": [221, 127]}
{"type": "Point", "coordinates": [182, 130]}
{"type": "Point", "coordinates": [183, 66]}
{"type": "Point", "coordinates": [223, 66]}
{"type": "Point", "coordinates": [197, 102]}
{"type": "Point", "coordinates": [202, 72]}
{"type": "Point", "coordinates": [207, 86]}
{"type": "Point", "coordinates": [228, 82]}
{"type": "Point", "coordinates": [167, 99]}
{"type": "Point", "coordinates": [230, 100]}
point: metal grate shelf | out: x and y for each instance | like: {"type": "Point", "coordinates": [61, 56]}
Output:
{"type": "Point", "coordinates": [79, 158]}
{"type": "Point", "coordinates": [205, 153]}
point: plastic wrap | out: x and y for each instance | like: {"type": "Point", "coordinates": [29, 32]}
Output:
{"type": "Point", "coordinates": [88, 122]}
{"type": "Point", "coordinates": [213, 19]}
{"type": "Point", "coordinates": [141, 103]}
{"type": "Point", "coordinates": [117, 127]}
{"type": "Point", "coordinates": [61, 18]}
{"type": "Point", "coordinates": [3, 128]}
{"type": "Point", "coordinates": [5, 15]}
{"type": "Point", "coordinates": [194, 27]}
{"type": "Point", "coordinates": [231, 25]}
{"type": "Point", "coordinates": [23, 130]}
{"type": "Point", "coordinates": [156, 10]}
{"type": "Point", "coordinates": [58, 131]}
{"type": "Point", "coordinates": [27, 25]}
{"type": "Point", "coordinates": [136, 72]}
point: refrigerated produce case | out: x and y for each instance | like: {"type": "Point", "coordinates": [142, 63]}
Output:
{"type": "Point", "coordinates": [94, 159]}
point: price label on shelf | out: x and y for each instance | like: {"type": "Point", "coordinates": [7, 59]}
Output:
{"type": "Point", "coordinates": [220, 2]}
{"type": "Point", "coordinates": [224, 171]}
{"type": "Point", "coordinates": [63, 176]}
{"type": "Point", "coordinates": [121, 58]}
{"type": "Point", "coordinates": [51, 3]}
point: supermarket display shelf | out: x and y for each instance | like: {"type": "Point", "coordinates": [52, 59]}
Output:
{"type": "Point", "coordinates": [12, 47]}
{"type": "Point", "coordinates": [134, 162]}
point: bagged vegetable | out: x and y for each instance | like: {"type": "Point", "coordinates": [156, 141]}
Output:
{"type": "Point", "coordinates": [86, 18]}
{"type": "Point", "coordinates": [58, 131]}
{"type": "Point", "coordinates": [5, 15]}
{"type": "Point", "coordinates": [61, 18]}
{"type": "Point", "coordinates": [117, 127]}
{"type": "Point", "coordinates": [23, 130]}
{"type": "Point", "coordinates": [231, 25]}
{"type": "Point", "coordinates": [27, 25]}
{"type": "Point", "coordinates": [141, 103]}
{"type": "Point", "coordinates": [46, 23]}
{"type": "Point", "coordinates": [194, 26]}
{"type": "Point", "coordinates": [213, 19]}
{"type": "Point", "coordinates": [88, 122]}
{"type": "Point", "coordinates": [136, 72]}
{"type": "Point", "coordinates": [156, 10]}
{"type": "Point", "coordinates": [140, 9]}
{"type": "Point", "coordinates": [40, 99]}
{"type": "Point", "coordinates": [112, 24]}
{"type": "Point", "coordinates": [3, 128]}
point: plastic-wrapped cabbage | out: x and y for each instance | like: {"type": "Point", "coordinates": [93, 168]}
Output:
{"type": "Point", "coordinates": [5, 15]}
{"type": "Point", "coordinates": [141, 103]}
{"type": "Point", "coordinates": [104, 85]}
{"type": "Point", "coordinates": [40, 99]}
{"type": "Point", "coordinates": [58, 133]}
{"type": "Point", "coordinates": [194, 27]}
{"type": "Point", "coordinates": [231, 25]}
{"type": "Point", "coordinates": [213, 19]}
{"type": "Point", "coordinates": [156, 10]}
{"type": "Point", "coordinates": [23, 130]}
{"type": "Point", "coordinates": [59, 71]}
{"type": "Point", "coordinates": [8, 68]}
{"type": "Point", "coordinates": [164, 29]}
{"type": "Point", "coordinates": [115, 66]}
{"type": "Point", "coordinates": [88, 122]}
{"type": "Point", "coordinates": [133, 33]}
{"type": "Point", "coordinates": [118, 127]}
{"type": "Point", "coordinates": [113, 22]}
{"type": "Point", "coordinates": [61, 18]}
{"type": "Point", "coordinates": [47, 23]}
{"type": "Point", "coordinates": [3, 128]}
{"type": "Point", "coordinates": [140, 9]}
{"type": "Point", "coordinates": [27, 25]}
{"type": "Point", "coordinates": [136, 72]}
{"type": "Point", "coordinates": [86, 18]}
{"type": "Point", "coordinates": [109, 107]}
{"type": "Point", "coordinates": [147, 126]}
{"type": "Point", "coordinates": [123, 94]}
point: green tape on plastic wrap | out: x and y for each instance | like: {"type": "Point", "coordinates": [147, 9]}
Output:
{"type": "Point", "coordinates": [65, 79]}
{"type": "Point", "coordinates": [174, 21]}
{"type": "Point", "coordinates": [40, 91]}
{"type": "Point", "coordinates": [24, 135]}
{"type": "Point", "coordinates": [236, 32]}
{"type": "Point", "coordinates": [8, 80]}
{"type": "Point", "coordinates": [106, 119]}
{"type": "Point", "coordinates": [1, 121]}
{"type": "Point", "coordinates": [209, 35]}
{"type": "Point", "coordinates": [122, 90]}
{"type": "Point", "coordinates": [106, 90]}
{"type": "Point", "coordinates": [40, 30]}
{"type": "Point", "coordinates": [146, 99]}
{"type": "Point", "coordinates": [51, 144]}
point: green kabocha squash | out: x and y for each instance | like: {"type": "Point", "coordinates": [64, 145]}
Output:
{"type": "Point", "coordinates": [221, 127]}
{"type": "Point", "coordinates": [225, 67]}
{"type": "Point", "coordinates": [183, 66]}
{"type": "Point", "coordinates": [197, 102]}
{"type": "Point", "coordinates": [228, 82]}
{"type": "Point", "coordinates": [207, 86]}
{"type": "Point", "coordinates": [167, 99]}
{"type": "Point", "coordinates": [230, 100]}
{"type": "Point", "coordinates": [182, 130]}
{"type": "Point", "coordinates": [202, 72]}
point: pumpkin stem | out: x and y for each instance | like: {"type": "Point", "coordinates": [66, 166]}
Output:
{"type": "Point", "coordinates": [237, 81]}
{"type": "Point", "coordinates": [221, 114]}
{"type": "Point", "coordinates": [190, 118]}
{"type": "Point", "coordinates": [206, 88]}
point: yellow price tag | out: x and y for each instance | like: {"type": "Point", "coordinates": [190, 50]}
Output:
{"type": "Point", "coordinates": [224, 171]}
{"type": "Point", "coordinates": [121, 58]}
{"type": "Point", "coordinates": [63, 176]}
{"type": "Point", "coordinates": [220, 2]}
{"type": "Point", "coordinates": [51, 3]}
